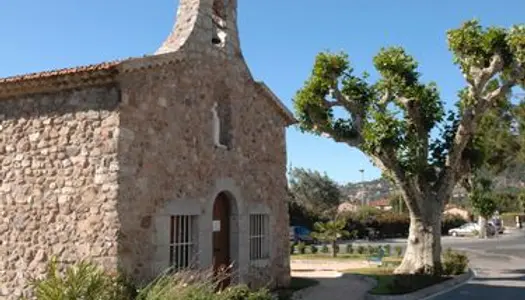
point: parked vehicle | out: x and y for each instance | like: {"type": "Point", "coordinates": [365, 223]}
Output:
{"type": "Point", "coordinates": [300, 234]}
{"type": "Point", "coordinates": [498, 225]}
{"type": "Point", "coordinates": [470, 229]}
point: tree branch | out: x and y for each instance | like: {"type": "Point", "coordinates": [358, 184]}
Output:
{"type": "Point", "coordinates": [453, 170]}
{"type": "Point", "coordinates": [388, 163]}
{"type": "Point", "coordinates": [356, 112]}
{"type": "Point", "coordinates": [482, 76]}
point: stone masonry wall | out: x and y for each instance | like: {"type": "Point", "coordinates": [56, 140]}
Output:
{"type": "Point", "coordinates": [58, 183]}
{"type": "Point", "coordinates": [168, 153]}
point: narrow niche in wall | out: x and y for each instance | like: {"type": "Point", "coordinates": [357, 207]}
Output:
{"type": "Point", "coordinates": [222, 124]}
{"type": "Point", "coordinates": [219, 18]}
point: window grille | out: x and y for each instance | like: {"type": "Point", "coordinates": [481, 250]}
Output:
{"type": "Point", "coordinates": [259, 242]}
{"type": "Point", "coordinates": [182, 241]}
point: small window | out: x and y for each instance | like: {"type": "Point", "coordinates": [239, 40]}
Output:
{"type": "Point", "coordinates": [259, 233]}
{"type": "Point", "coordinates": [183, 236]}
{"type": "Point", "coordinates": [219, 22]}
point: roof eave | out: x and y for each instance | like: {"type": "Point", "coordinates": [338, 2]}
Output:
{"type": "Point", "coordinates": [288, 115]}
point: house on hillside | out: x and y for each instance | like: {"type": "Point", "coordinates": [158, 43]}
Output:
{"type": "Point", "coordinates": [348, 207]}
{"type": "Point", "coordinates": [382, 204]}
{"type": "Point", "coordinates": [453, 210]}
{"type": "Point", "coordinates": [176, 159]}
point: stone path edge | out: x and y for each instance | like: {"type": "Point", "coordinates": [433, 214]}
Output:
{"type": "Point", "coordinates": [427, 292]}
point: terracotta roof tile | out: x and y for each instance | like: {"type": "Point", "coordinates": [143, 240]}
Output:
{"type": "Point", "coordinates": [380, 202]}
{"type": "Point", "coordinates": [60, 72]}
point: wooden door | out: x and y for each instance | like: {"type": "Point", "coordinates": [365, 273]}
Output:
{"type": "Point", "coordinates": [221, 238]}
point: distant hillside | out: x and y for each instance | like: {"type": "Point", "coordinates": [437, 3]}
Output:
{"type": "Point", "coordinates": [512, 178]}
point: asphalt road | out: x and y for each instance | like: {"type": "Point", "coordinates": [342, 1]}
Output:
{"type": "Point", "coordinates": [499, 266]}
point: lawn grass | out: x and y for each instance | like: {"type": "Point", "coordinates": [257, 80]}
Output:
{"type": "Point", "coordinates": [296, 284]}
{"type": "Point", "coordinates": [390, 284]}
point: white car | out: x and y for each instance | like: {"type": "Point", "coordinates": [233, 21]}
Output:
{"type": "Point", "coordinates": [469, 229]}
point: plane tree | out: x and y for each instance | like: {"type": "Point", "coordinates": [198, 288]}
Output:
{"type": "Point", "coordinates": [391, 119]}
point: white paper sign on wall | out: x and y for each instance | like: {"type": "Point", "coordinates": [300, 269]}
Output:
{"type": "Point", "coordinates": [216, 225]}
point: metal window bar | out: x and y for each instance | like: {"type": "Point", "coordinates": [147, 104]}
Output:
{"type": "Point", "coordinates": [181, 241]}
{"type": "Point", "coordinates": [258, 236]}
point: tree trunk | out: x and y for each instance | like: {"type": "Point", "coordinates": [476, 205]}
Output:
{"type": "Point", "coordinates": [423, 251]}
{"type": "Point", "coordinates": [334, 251]}
{"type": "Point", "coordinates": [482, 222]}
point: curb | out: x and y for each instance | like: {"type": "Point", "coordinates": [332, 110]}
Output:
{"type": "Point", "coordinates": [428, 292]}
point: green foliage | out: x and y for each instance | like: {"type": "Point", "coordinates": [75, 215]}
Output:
{"type": "Point", "coordinates": [324, 249]}
{"type": "Point", "coordinates": [330, 231]}
{"type": "Point", "coordinates": [398, 203]}
{"type": "Point", "coordinates": [391, 119]}
{"type": "Point", "coordinates": [389, 224]}
{"type": "Point", "coordinates": [87, 281]}
{"type": "Point", "coordinates": [197, 285]}
{"type": "Point", "coordinates": [399, 251]}
{"type": "Point", "coordinates": [242, 292]}
{"type": "Point", "coordinates": [361, 249]}
{"type": "Point", "coordinates": [314, 191]}
{"type": "Point", "coordinates": [482, 199]}
{"type": "Point", "coordinates": [454, 263]}
{"type": "Point", "coordinates": [82, 281]}
{"type": "Point", "coordinates": [301, 248]}
{"type": "Point", "coordinates": [508, 201]}
{"type": "Point", "coordinates": [292, 247]}
{"type": "Point", "coordinates": [349, 249]}
{"type": "Point", "coordinates": [313, 249]}
{"type": "Point", "coordinates": [387, 250]}
{"type": "Point", "coordinates": [370, 249]}
{"type": "Point", "coordinates": [474, 46]}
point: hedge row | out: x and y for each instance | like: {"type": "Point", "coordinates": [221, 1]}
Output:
{"type": "Point", "coordinates": [391, 225]}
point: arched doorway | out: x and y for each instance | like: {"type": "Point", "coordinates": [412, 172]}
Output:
{"type": "Point", "coordinates": [224, 237]}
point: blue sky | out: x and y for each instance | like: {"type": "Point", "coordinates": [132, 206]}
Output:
{"type": "Point", "coordinates": [279, 38]}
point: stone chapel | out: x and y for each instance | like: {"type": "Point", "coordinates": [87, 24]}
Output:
{"type": "Point", "coordinates": [176, 159]}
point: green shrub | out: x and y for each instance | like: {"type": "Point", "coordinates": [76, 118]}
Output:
{"type": "Point", "coordinates": [197, 285]}
{"type": "Point", "coordinates": [399, 251]}
{"type": "Point", "coordinates": [292, 247]}
{"type": "Point", "coordinates": [301, 247]}
{"type": "Point", "coordinates": [378, 249]}
{"type": "Point", "coordinates": [324, 249]}
{"type": "Point", "coordinates": [387, 249]}
{"type": "Point", "coordinates": [454, 262]}
{"type": "Point", "coordinates": [242, 292]}
{"type": "Point", "coordinates": [337, 248]}
{"type": "Point", "coordinates": [361, 249]}
{"type": "Point", "coordinates": [349, 249]}
{"type": "Point", "coordinates": [370, 250]}
{"type": "Point", "coordinates": [81, 281]}
{"type": "Point", "coordinates": [313, 249]}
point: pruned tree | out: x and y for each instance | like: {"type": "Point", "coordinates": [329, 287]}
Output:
{"type": "Point", "coordinates": [391, 120]}
{"type": "Point", "coordinates": [493, 149]}
{"type": "Point", "coordinates": [314, 191]}
{"type": "Point", "coordinates": [483, 202]}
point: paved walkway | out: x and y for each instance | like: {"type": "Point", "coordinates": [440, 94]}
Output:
{"type": "Point", "coordinates": [497, 277]}
{"type": "Point", "coordinates": [333, 285]}
{"type": "Point", "coordinates": [340, 286]}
